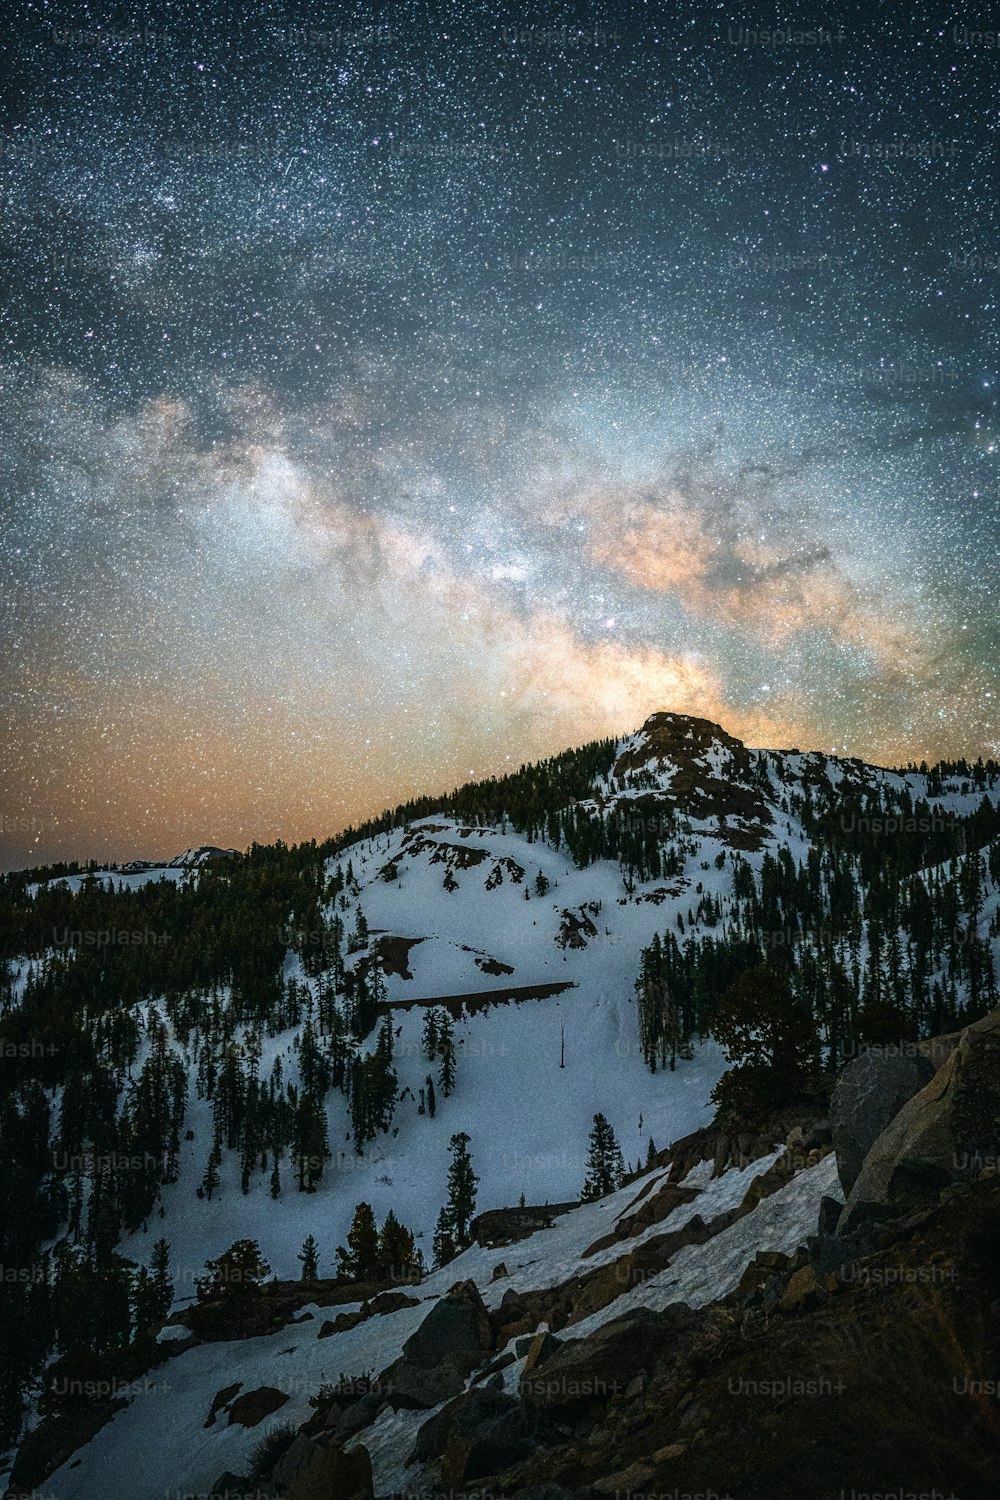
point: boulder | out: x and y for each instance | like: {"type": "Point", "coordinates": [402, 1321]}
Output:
{"type": "Point", "coordinates": [332, 1472]}
{"type": "Point", "coordinates": [541, 1348]}
{"type": "Point", "coordinates": [457, 1328]}
{"type": "Point", "coordinates": [602, 1365]}
{"type": "Point", "coordinates": [868, 1094]}
{"type": "Point", "coordinates": [945, 1133]}
{"type": "Point", "coordinates": [412, 1386]}
{"type": "Point", "coordinates": [296, 1457]}
{"type": "Point", "coordinates": [250, 1409]}
{"type": "Point", "coordinates": [473, 1413]}
{"type": "Point", "coordinates": [221, 1401]}
{"type": "Point", "coordinates": [388, 1302]}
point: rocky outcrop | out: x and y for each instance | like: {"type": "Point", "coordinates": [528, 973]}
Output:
{"type": "Point", "coordinates": [250, 1409]}
{"type": "Point", "coordinates": [800, 1383]}
{"type": "Point", "coordinates": [436, 1359]}
{"type": "Point", "coordinates": [334, 1472]}
{"type": "Point", "coordinates": [505, 1226]}
{"type": "Point", "coordinates": [870, 1092]}
{"type": "Point", "coordinates": [947, 1132]}
{"type": "Point", "coordinates": [481, 1433]}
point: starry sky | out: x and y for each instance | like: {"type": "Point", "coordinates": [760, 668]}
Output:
{"type": "Point", "coordinates": [389, 397]}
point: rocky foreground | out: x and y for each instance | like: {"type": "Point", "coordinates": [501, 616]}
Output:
{"type": "Point", "coordinates": [866, 1362]}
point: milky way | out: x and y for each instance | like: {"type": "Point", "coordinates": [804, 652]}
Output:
{"type": "Point", "coordinates": [388, 398]}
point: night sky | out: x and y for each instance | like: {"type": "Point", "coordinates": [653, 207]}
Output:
{"type": "Point", "coordinates": [391, 397]}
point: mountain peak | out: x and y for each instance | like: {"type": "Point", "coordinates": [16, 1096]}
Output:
{"type": "Point", "coordinates": [673, 737]}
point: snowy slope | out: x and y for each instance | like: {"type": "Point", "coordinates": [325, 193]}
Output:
{"type": "Point", "coordinates": [453, 911]}
{"type": "Point", "coordinates": [122, 1464]}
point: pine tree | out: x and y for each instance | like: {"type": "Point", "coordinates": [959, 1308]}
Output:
{"type": "Point", "coordinates": [210, 1181]}
{"type": "Point", "coordinates": [235, 1275]}
{"type": "Point", "coordinates": [446, 1050]}
{"type": "Point", "coordinates": [359, 1261]}
{"type": "Point", "coordinates": [461, 1204]}
{"type": "Point", "coordinates": [162, 1280]}
{"type": "Point", "coordinates": [309, 1256]}
{"type": "Point", "coordinates": [605, 1165]}
{"type": "Point", "coordinates": [431, 1097]}
{"type": "Point", "coordinates": [429, 1035]}
{"type": "Point", "coordinates": [396, 1253]}
{"type": "Point", "coordinates": [312, 1148]}
{"type": "Point", "coordinates": [445, 1248]}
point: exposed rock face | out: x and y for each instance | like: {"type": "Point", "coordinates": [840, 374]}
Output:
{"type": "Point", "coordinates": [252, 1407]}
{"type": "Point", "coordinates": [504, 1226]}
{"type": "Point", "coordinates": [457, 1327]}
{"type": "Point", "coordinates": [332, 1472]}
{"type": "Point", "coordinates": [948, 1131]}
{"type": "Point", "coordinates": [870, 1092]}
{"type": "Point", "coordinates": [707, 771]}
{"type": "Point", "coordinates": [799, 1384]}
{"type": "Point", "coordinates": [448, 1345]}
{"type": "Point", "coordinates": [595, 1369]}
{"type": "Point", "coordinates": [480, 1433]}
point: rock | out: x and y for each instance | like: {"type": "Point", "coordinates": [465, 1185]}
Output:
{"type": "Point", "coordinates": [803, 1290]}
{"type": "Point", "coordinates": [499, 1271]}
{"type": "Point", "coordinates": [601, 1366]}
{"type": "Point", "coordinates": [221, 1400]}
{"type": "Point", "coordinates": [341, 1323]}
{"type": "Point", "coordinates": [516, 1329]}
{"type": "Point", "coordinates": [495, 1367]}
{"type": "Point", "coordinates": [449, 1343]}
{"type": "Point", "coordinates": [542, 1347]}
{"type": "Point", "coordinates": [830, 1210]}
{"type": "Point", "coordinates": [471, 1411]}
{"type": "Point", "coordinates": [943, 1134]}
{"type": "Point", "coordinates": [635, 1477]}
{"type": "Point", "coordinates": [868, 1094]}
{"type": "Point", "coordinates": [332, 1472]}
{"type": "Point", "coordinates": [296, 1457]}
{"type": "Point", "coordinates": [417, 1387]}
{"type": "Point", "coordinates": [505, 1226]}
{"type": "Point", "coordinates": [250, 1409]}
{"type": "Point", "coordinates": [773, 1260]}
{"type": "Point", "coordinates": [672, 1450]}
{"type": "Point", "coordinates": [456, 1328]}
{"type": "Point", "coordinates": [388, 1302]}
{"type": "Point", "coordinates": [358, 1416]}
{"type": "Point", "coordinates": [482, 1432]}
{"type": "Point", "coordinates": [818, 1135]}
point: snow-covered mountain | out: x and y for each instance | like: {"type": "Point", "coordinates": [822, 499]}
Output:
{"type": "Point", "coordinates": [527, 927]}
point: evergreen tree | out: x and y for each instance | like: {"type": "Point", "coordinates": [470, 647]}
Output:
{"type": "Point", "coordinates": [429, 1035]}
{"type": "Point", "coordinates": [446, 1051]}
{"type": "Point", "coordinates": [445, 1248]}
{"type": "Point", "coordinates": [605, 1165]}
{"type": "Point", "coordinates": [360, 1260]}
{"type": "Point", "coordinates": [461, 1204]}
{"type": "Point", "coordinates": [234, 1276]}
{"type": "Point", "coordinates": [162, 1281]}
{"type": "Point", "coordinates": [396, 1251]}
{"type": "Point", "coordinates": [309, 1256]}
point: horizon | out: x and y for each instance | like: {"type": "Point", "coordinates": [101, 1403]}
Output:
{"type": "Point", "coordinates": [168, 851]}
